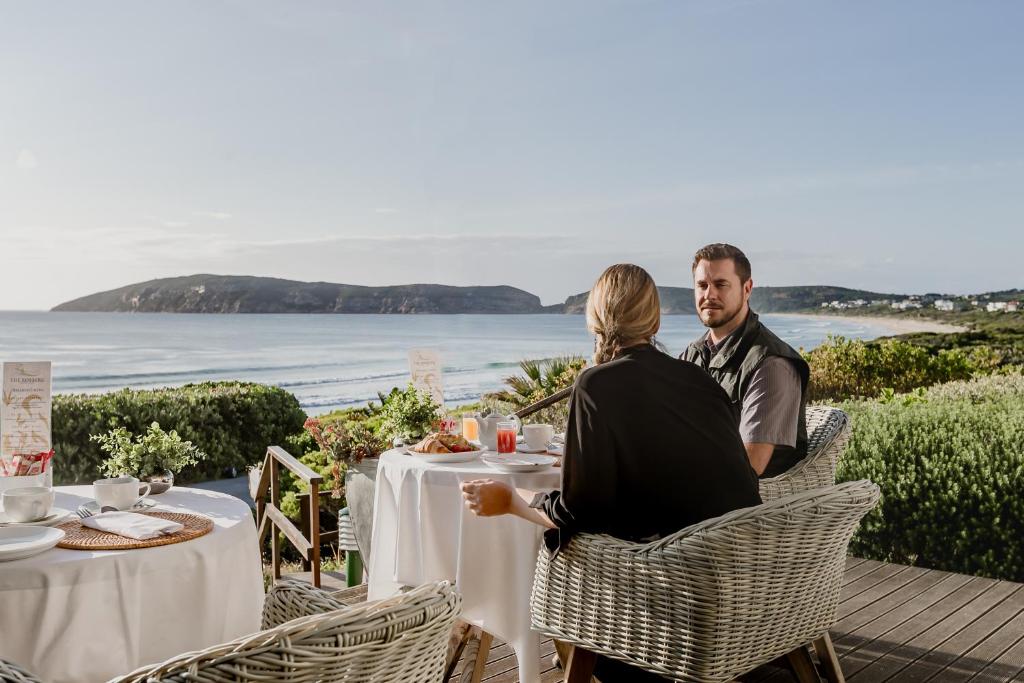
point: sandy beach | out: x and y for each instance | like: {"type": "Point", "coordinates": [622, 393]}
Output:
{"type": "Point", "coordinates": [897, 325]}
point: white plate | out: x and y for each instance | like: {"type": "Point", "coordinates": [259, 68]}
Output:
{"type": "Point", "coordinates": [17, 542]}
{"type": "Point", "coordinates": [144, 504]}
{"type": "Point", "coordinates": [446, 457]}
{"type": "Point", "coordinates": [523, 448]}
{"type": "Point", "coordinates": [56, 516]}
{"type": "Point", "coordinates": [518, 462]}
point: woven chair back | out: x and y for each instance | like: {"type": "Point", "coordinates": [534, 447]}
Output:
{"type": "Point", "coordinates": [711, 601]}
{"type": "Point", "coordinates": [828, 430]}
{"type": "Point", "coordinates": [401, 639]}
{"type": "Point", "coordinates": [12, 673]}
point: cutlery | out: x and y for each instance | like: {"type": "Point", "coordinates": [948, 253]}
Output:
{"type": "Point", "coordinates": [84, 512]}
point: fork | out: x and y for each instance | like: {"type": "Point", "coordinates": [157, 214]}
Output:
{"type": "Point", "coordinates": [84, 512]}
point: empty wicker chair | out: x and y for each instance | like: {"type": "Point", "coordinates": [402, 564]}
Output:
{"type": "Point", "coordinates": [709, 602]}
{"type": "Point", "coordinates": [401, 639]}
{"type": "Point", "coordinates": [12, 673]}
{"type": "Point", "coordinates": [828, 430]}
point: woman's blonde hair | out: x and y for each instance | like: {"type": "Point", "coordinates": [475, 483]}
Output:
{"type": "Point", "coordinates": [623, 310]}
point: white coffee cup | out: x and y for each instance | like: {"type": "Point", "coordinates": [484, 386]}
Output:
{"type": "Point", "coordinates": [119, 492]}
{"type": "Point", "coordinates": [27, 504]}
{"type": "Point", "coordinates": [538, 436]}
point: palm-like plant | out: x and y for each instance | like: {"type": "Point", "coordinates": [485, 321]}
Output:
{"type": "Point", "coordinates": [542, 378]}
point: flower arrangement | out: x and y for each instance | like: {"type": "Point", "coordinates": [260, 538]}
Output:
{"type": "Point", "coordinates": [153, 453]}
{"type": "Point", "coordinates": [345, 444]}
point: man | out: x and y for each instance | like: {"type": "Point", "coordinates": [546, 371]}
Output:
{"type": "Point", "coordinates": [765, 378]}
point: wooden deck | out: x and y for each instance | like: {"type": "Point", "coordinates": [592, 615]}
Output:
{"type": "Point", "coordinates": [896, 623]}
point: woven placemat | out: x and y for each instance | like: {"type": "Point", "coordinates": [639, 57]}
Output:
{"type": "Point", "coordinates": [78, 537]}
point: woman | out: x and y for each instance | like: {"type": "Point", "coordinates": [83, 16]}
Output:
{"type": "Point", "coordinates": [652, 444]}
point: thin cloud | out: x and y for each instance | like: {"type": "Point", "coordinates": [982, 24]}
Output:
{"type": "Point", "coordinates": [26, 159]}
{"type": "Point", "coordinates": [174, 224]}
{"type": "Point", "coordinates": [216, 215]}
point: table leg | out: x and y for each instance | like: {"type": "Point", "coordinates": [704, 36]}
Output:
{"type": "Point", "coordinates": [528, 657]}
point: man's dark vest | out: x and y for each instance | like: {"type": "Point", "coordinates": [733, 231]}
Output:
{"type": "Point", "coordinates": [733, 366]}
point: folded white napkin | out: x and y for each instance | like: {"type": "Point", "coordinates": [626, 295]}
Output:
{"type": "Point", "coordinates": [132, 525]}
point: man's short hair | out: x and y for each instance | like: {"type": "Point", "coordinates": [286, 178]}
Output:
{"type": "Point", "coordinates": [720, 250]}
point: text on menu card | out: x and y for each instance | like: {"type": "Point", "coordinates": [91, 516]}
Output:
{"type": "Point", "coordinates": [425, 368]}
{"type": "Point", "coordinates": [25, 407]}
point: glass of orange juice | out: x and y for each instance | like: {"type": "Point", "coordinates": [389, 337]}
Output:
{"type": "Point", "coordinates": [470, 430]}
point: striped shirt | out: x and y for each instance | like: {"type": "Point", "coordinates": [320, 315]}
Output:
{"type": "Point", "coordinates": [771, 405]}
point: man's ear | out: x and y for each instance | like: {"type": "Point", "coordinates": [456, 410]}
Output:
{"type": "Point", "coordinates": [747, 286]}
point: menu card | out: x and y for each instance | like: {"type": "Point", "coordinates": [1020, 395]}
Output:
{"type": "Point", "coordinates": [425, 368]}
{"type": "Point", "coordinates": [25, 410]}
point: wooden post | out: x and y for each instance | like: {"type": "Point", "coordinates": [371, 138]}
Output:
{"type": "Point", "coordinates": [304, 525]}
{"type": "Point", "coordinates": [314, 539]}
{"type": "Point", "coordinates": [275, 500]}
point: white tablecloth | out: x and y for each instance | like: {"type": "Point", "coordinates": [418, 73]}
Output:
{"type": "Point", "coordinates": [73, 615]}
{"type": "Point", "coordinates": [422, 532]}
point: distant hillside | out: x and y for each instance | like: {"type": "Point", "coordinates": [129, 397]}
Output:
{"type": "Point", "coordinates": [244, 294]}
{"type": "Point", "coordinates": [679, 300]}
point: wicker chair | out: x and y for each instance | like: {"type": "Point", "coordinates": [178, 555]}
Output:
{"type": "Point", "coordinates": [709, 602]}
{"type": "Point", "coordinates": [402, 639]}
{"type": "Point", "coordinates": [12, 673]}
{"type": "Point", "coordinates": [828, 430]}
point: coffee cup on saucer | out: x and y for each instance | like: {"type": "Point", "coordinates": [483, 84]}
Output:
{"type": "Point", "coordinates": [119, 492]}
{"type": "Point", "coordinates": [537, 437]}
{"type": "Point", "coordinates": [27, 504]}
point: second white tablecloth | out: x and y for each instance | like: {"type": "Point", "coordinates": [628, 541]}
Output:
{"type": "Point", "coordinates": [423, 532]}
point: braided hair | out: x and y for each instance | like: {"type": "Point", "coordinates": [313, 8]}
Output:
{"type": "Point", "coordinates": [623, 310]}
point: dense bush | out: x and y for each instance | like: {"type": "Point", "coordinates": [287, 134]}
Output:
{"type": "Point", "coordinates": [233, 422]}
{"type": "Point", "coordinates": [950, 463]}
{"type": "Point", "coordinates": [850, 368]}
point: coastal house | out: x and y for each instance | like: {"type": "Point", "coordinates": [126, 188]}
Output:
{"type": "Point", "coordinates": [944, 305]}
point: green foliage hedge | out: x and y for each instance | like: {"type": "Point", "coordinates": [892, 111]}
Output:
{"type": "Point", "coordinates": [233, 422]}
{"type": "Point", "coordinates": [950, 463]}
{"type": "Point", "coordinates": [849, 368]}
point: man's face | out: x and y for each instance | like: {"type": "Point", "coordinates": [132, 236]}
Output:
{"type": "Point", "coordinates": [718, 292]}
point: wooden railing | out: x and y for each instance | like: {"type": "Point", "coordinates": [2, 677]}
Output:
{"type": "Point", "coordinates": [270, 519]}
{"type": "Point", "coordinates": [544, 402]}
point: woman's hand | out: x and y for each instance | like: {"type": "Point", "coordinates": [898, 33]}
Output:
{"type": "Point", "coordinates": [487, 497]}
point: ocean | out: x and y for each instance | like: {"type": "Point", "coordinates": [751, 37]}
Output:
{"type": "Point", "coordinates": [327, 361]}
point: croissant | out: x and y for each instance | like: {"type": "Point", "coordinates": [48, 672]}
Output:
{"type": "Point", "coordinates": [431, 444]}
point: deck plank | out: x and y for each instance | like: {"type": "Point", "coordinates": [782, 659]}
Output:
{"type": "Point", "coordinates": [861, 650]}
{"type": "Point", "coordinates": [894, 623]}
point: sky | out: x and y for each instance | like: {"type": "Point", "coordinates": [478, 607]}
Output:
{"type": "Point", "coordinates": [875, 145]}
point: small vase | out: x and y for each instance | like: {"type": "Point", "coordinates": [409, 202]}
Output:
{"type": "Point", "coordinates": [159, 482]}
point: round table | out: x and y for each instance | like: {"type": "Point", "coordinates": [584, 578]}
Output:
{"type": "Point", "coordinates": [74, 615]}
{"type": "Point", "coordinates": [422, 532]}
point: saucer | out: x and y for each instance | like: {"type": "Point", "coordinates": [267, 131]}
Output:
{"type": "Point", "coordinates": [94, 507]}
{"type": "Point", "coordinates": [513, 464]}
{"type": "Point", "coordinates": [523, 448]}
{"type": "Point", "coordinates": [56, 516]}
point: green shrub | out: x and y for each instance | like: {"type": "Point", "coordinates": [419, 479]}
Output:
{"type": "Point", "coordinates": [950, 464]}
{"type": "Point", "coordinates": [232, 422]}
{"type": "Point", "coordinates": [851, 368]}
{"type": "Point", "coordinates": [407, 414]}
